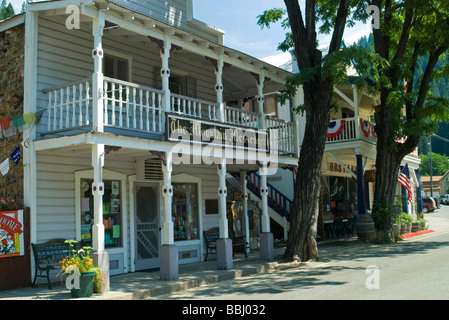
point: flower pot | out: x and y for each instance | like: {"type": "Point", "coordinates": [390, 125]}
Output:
{"type": "Point", "coordinates": [422, 226]}
{"type": "Point", "coordinates": [86, 285]}
{"type": "Point", "coordinates": [403, 228]}
{"type": "Point", "coordinates": [415, 226]}
{"type": "Point", "coordinates": [409, 227]}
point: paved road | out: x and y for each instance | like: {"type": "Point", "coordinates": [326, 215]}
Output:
{"type": "Point", "coordinates": [417, 268]}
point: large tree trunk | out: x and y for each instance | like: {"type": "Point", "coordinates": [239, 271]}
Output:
{"type": "Point", "coordinates": [388, 161]}
{"type": "Point", "coordinates": [304, 216]}
{"type": "Point", "coordinates": [387, 168]}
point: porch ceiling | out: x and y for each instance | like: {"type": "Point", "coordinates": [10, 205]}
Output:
{"type": "Point", "coordinates": [127, 155]}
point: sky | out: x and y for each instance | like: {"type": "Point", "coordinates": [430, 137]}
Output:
{"type": "Point", "coordinates": [238, 18]}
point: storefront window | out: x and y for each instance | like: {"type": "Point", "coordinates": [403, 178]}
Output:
{"type": "Point", "coordinates": [340, 194]}
{"type": "Point", "coordinates": [185, 211]}
{"type": "Point", "coordinates": [112, 212]}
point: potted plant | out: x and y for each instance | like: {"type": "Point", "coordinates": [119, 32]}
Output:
{"type": "Point", "coordinates": [405, 221]}
{"type": "Point", "coordinates": [99, 281]}
{"type": "Point", "coordinates": [79, 263]}
{"type": "Point", "coordinates": [415, 226]}
{"type": "Point", "coordinates": [422, 222]}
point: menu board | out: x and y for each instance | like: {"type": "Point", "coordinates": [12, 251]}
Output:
{"type": "Point", "coordinates": [11, 234]}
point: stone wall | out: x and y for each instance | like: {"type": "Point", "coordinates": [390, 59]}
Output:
{"type": "Point", "coordinates": [11, 104]}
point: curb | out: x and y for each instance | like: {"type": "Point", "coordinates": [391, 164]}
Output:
{"type": "Point", "coordinates": [413, 234]}
{"type": "Point", "coordinates": [196, 281]}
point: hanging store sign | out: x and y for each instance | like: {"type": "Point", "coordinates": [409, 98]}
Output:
{"type": "Point", "coordinates": [195, 131]}
{"type": "Point", "coordinates": [11, 234]}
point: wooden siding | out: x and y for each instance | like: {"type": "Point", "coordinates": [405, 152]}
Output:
{"type": "Point", "coordinates": [56, 190]}
{"type": "Point", "coordinates": [65, 56]}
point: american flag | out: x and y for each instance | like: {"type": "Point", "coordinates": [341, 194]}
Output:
{"type": "Point", "coordinates": [404, 180]}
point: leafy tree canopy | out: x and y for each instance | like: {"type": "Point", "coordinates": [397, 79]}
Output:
{"type": "Point", "coordinates": [6, 10]}
{"type": "Point", "coordinates": [440, 164]}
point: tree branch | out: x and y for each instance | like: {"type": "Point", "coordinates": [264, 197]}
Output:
{"type": "Point", "coordinates": [402, 45]}
{"type": "Point", "coordinates": [340, 24]}
{"type": "Point", "coordinates": [427, 76]}
{"type": "Point", "coordinates": [299, 34]}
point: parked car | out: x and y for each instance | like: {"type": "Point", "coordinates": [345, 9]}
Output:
{"type": "Point", "coordinates": [446, 199]}
{"type": "Point", "coordinates": [437, 202]}
{"type": "Point", "coordinates": [428, 204]}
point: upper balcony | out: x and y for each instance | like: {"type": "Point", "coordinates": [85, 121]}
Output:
{"type": "Point", "coordinates": [135, 110]}
{"type": "Point", "coordinates": [125, 72]}
{"type": "Point", "coordinates": [351, 129]}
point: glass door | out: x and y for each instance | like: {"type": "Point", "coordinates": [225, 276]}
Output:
{"type": "Point", "coordinates": [147, 226]}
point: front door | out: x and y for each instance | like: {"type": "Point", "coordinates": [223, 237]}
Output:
{"type": "Point", "coordinates": [147, 226]}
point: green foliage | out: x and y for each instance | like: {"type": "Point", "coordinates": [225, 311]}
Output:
{"type": "Point", "coordinates": [404, 218]}
{"type": "Point", "coordinates": [384, 215]}
{"type": "Point", "coordinates": [440, 164]}
{"type": "Point", "coordinates": [6, 10]}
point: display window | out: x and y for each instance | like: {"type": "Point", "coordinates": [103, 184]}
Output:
{"type": "Point", "coordinates": [185, 211]}
{"type": "Point", "coordinates": [340, 194]}
{"type": "Point", "coordinates": [112, 212]}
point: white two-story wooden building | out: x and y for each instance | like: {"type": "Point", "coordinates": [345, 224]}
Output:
{"type": "Point", "coordinates": [143, 114]}
{"type": "Point", "coordinates": [124, 88]}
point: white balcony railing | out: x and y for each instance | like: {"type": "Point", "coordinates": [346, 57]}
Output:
{"type": "Point", "coordinates": [241, 117]}
{"type": "Point", "coordinates": [353, 129]}
{"type": "Point", "coordinates": [131, 106]}
{"type": "Point", "coordinates": [138, 108]}
{"type": "Point", "coordinates": [69, 106]}
{"type": "Point", "coordinates": [286, 134]}
{"type": "Point", "coordinates": [192, 107]}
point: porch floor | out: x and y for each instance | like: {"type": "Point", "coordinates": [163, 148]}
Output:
{"type": "Point", "coordinates": [147, 284]}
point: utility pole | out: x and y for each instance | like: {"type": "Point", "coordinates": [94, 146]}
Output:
{"type": "Point", "coordinates": [430, 159]}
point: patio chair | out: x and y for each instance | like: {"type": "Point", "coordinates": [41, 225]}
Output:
{"type": "Point", "coordinates": [336, 228]}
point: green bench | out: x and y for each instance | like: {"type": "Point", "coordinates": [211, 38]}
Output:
{"type": "Point", "coordinates": [212, 235]}
{"type": "Point", "coordinates": [47, 256]}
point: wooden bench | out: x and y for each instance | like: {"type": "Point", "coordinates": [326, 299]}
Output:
{"type": "Point", "coordinates": [211, 236]}
{"type": "Point", "coordinates": [47, 256]}
{"type": "Point", "coordinates": [238, 244]}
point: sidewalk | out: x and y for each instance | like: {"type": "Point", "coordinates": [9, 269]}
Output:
{"type": "Point", "coordinates": [147, 285]}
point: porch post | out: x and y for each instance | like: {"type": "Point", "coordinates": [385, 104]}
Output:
{"type": "Point", "coordinates": [219, 88]}
{"type": "Point", "coordinates": [100, 255]}
{"type": "Point", "coordinates": [165, 74]}
{"type": "Point", "coordinates": [224, 244]}
{"type": "Point", "coordinates": [356, 112]}
{"type": "Point", "coordinates": [169, 251]}
{"type": "Point", "coordinates": [266, 237]}
{"type": "Point", "coordinates": [97, 77]}
{"type": "Point", "coordinates": [260, 102]}
{"type": "Point", "coordinates": [360, 188]}
{"type": "Point", "coordinates": [245, 208]}
{"type": "Point", "coordinates": [418, 191]}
